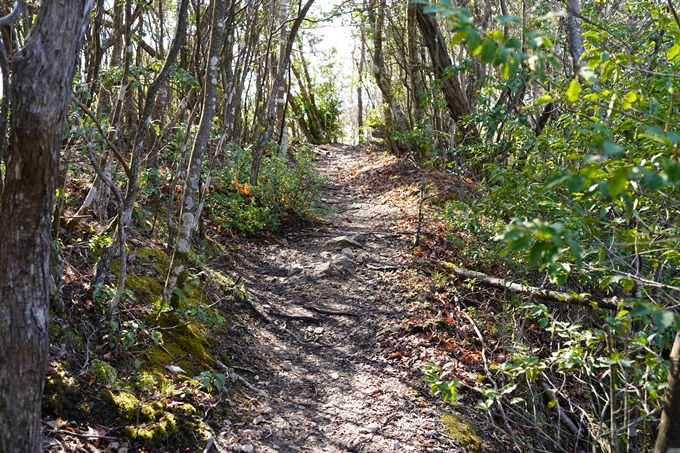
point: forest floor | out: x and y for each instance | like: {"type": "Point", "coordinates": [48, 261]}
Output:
{"type": "Point", "coordinates": [326, 347]}
{"type": "Point", "coordinates": [348, 317]}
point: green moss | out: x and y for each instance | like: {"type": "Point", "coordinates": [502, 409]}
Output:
{"type": "Point", "coordinates": [157, 359]}
{"type": "Point", "coordinates": [185, 409]}
{"type": "Point", "coordinates": [192, 341]}
{"type": "Point", "coordinates": [62, 391]}
{"type": "Point", "coordinates": [127, 405]}
{"type": "Point", "coordinates": [103, 372]}
{"type": "Point", "coordinates": [153, 411]}
{"type": "Point", "coordinates": [146, 288]}
{"type": "Point", "coordinates": [71, 339]}
{"type": "Point", "coordinates": [157, 259]}
{"type": "Point", "coordinates": [463, 432]}
{"type": "Point", "coordinates": [153, 433]}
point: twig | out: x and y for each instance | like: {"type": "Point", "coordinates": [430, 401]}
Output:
{"type": "Point", "coordinates": [209, 445]}
{"type": "Point", "coordinates": [295, 337]}
{"type": "Point", "coordinates": [83, 436]}
{"type": "Point", "coordinates": [233, 375]}
{"type": "Point", "coordinates": [116, 153]}
{"type": "Point", "coordinates": [563, 416]}
{"type": "Point", "coordinates": [113, 305]}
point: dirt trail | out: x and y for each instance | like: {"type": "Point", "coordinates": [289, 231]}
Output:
{"type": "Point", "coordinates": [328, 311]}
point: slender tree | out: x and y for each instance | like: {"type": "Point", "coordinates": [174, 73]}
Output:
{"type": "Point", "coordinates": [189, 211]}
{"type": "Point", "coordinates": [42, 77]}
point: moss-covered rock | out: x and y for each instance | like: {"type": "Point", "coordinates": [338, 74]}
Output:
{"type": "Point", "coordinates": [192, 341]}
{"type": "Point", "coordinates": [144, 288]}
{"type": "Point", "coordinates": [153, 433]}
{"type": "Point", "coordinates": [462, 431]}
{"type": "Point", "coordinates": [126, 404]}
{"type": "Point", "coordinates": [103, 372]}
{"type": "Point", "coordinates": [155, 258]}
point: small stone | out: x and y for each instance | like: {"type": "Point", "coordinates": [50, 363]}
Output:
{"type": "Point", "coordinates": [286, 365]}
{"type": "Point", "coordinates": [267, 410]}
{"type": "Point", "coordinates": [248, 448]}
{"type": "Point", "coordinates": [257, 420]}
{"type": "Point", "coordinates": [341, 241]}
{"type": "Point", "coordinates": [323, 269]}
{"type": "Point", "coordinates": [370, 428]}
{"type": "Point", "coordinates": [348, 252]}
{"type": "Point", "coordinates": [334, 375]}
{"type": "Point", "coordinates": [318, 330]}
{"type": "Point", "coordinates": [298, 382]}
{"type": "Point", "coordinates": [295, 269]}
{"type": "Point", "coordinates": [432, 433]}
{"type": "Point", "coordinates": [396, 445]}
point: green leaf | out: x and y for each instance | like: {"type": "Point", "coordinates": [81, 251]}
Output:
{"type": "Point", "coordinates": [627, 283]}
{"type": "Point", "coordinates": [618, 182]}
{"type": "Point", "coordinates": [521, 243]}
{"type": "Point", "coordinates": [641, 308]}
{"type": "Point", "coordinates": [543, 100]}
{"type": "Point", "coordinates": [458, 37]}
{"type": "Point", "coordinates": [488, 51]}
{"type": "Point", "coordinates": [629, 99]}
{"type": "Point", "coordinates": [612, 149]}
{"type": "Point", "coordinates": [513, 43]}
{"type": "Point", "coordinates": [663, 319]}
{"type": "Point", "coordinates": [474, 42]}
{"type": "Point", "coordinates": [575, 183]}
{"type": "Point", "coordinates": [652, 179]}
{"type": "Point", "coordinates": [672, 168]}
{"type": "Point", "coordinates": [673, 51]}
{"type": "Point", "coordinates": [538, 250]}
{"type": "Point", "coordinates": [574, 91]}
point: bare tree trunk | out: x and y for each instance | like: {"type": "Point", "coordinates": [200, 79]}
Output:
{"type": "Point", "coordinates": [574, 32]}
{"type": "Point", "coordinates": [271, 108]}
{"type": "Point", "coordinates": [42, 77]}
{"type": "Point", "coordinates": [188, 212]}
{"type": "Point", "coordinates": [668, 439]}
{"type": "Point", "coordinates": [456, 99]}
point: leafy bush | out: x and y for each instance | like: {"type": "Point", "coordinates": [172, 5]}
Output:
{"type": "Point", "coordinates": [289, 188]}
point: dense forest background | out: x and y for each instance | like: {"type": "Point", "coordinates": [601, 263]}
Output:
{"type": "Point", "coordinates": [196, 119]}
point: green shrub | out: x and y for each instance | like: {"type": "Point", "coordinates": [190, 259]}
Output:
{"type": "Point", "coordinates": [289, 187]}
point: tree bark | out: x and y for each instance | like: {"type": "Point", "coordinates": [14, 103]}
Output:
{"type": "Point", "coordinates": [189, 212]}
{"type": "Point", "coordinates": [456, 99]}
{"type": "Point", "coordinates": [668, 439]}
{"type": "Point", "coordinates": [574, 32]}
{"type": "Point", "coordinates": [42, 77]}
{"type": "Point", "coordinates": [538, 293]}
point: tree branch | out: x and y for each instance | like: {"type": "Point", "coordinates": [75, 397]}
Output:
{"type": "Point", "coordinates": [538, 293]}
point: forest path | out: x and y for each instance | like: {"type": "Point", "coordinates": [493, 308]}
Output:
{"type": "Point", "coordinates": [326, 347]}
